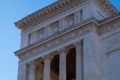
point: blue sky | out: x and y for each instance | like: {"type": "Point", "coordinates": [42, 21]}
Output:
{"type": "Point", "coordinates": [10, 12]}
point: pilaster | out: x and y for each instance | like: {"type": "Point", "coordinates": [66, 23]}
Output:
{"type": "Point", "coordinates": [77, 17]}
{"type": "Point", "coordinates": [61, 24]}
{"type": "Point", "coordinates": [46, 31]}
{"type": "Point", "coordinates": [92, 70]}
{"type": "Point", "coordinates": [24, 40]}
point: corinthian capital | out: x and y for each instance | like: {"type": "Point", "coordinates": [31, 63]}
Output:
{"type": "Point", "coordinates": [48, 57]}
{"type": "Point", "coordinates": [63, 50]}
{"type": "Point", "coordinates": [77, 43]}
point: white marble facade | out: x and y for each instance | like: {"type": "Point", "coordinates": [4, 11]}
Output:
{"type": "Point", "coordinates": [84, 33]}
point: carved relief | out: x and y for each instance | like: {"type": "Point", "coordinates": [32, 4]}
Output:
{"type": "Point", "coordinates": [54, 27]}
{"type": "Point", "coordinates": [40, 34]}
{"type": "Point", "coordinates": [69, 20]}
{"type": "Point", "coordinates": [107, 29]}
{"type": "Point", "coordinates": [56, 42]}
{"type": "Point", "coordinates": [112, 43]}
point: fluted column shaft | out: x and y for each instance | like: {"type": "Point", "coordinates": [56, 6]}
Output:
{"type": "Point", "coordinates": [47, 63]}
{"type": "Point", "coordinates": [22, 71]}
{"type": "Point", "coordinates": [79, 60]}
{"type": "Point", "coordinates": [62, 65]}
{"type": "Point", "coordinates": [31, 71]}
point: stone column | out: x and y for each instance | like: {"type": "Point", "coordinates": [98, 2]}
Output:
{"type": "Point", "coordinates": [22, 71]}
{"type": "Point", "coordinates": [77, 17]}
{"type": "Point", "coordinates": [79, 60]}
{"type": "Point", "coordinates": [92, 68]}
{"type": "Point", "coordinates": [62, 64]}
{"type": "Point", "coordinates": [31, 71]}
{"type": "Point", "coordinates": [47, 62]}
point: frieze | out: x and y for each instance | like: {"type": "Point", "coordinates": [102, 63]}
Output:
{"type": "Point", "coordinates": [77, 33]}
{"type": "Point", "coordinates": [90, 21]}
{"type": "Point", "coordinates": [107, 29]}
{"type": "Point", "coordinates": [112, 43]}
{"type": "Point", "coordinates": [64, 38]}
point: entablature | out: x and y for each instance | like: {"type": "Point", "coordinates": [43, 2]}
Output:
{"type": "Point", "coordinates": [109, 26]}
{"type": "Point", "coordinates": [78, 31]}
{"type": "Point", "coordinates": [64, 36]}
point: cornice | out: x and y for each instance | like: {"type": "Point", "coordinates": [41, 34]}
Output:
{"type": "Point", "coordinates": [110, 18]}
{"type": "Point", "coordinates": [55, 14]}
{"type": "Point", "coordinates": [106, 6]}
{"type": "Point", "coordinates": [54, 7]}
{"type": "Point", "coordinates": [41, 12]}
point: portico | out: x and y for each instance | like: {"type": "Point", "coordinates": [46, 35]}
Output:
{"type": "Point", "coordinates": [65, 63]}
{"type": "Point", "coordinates": [64, 56]}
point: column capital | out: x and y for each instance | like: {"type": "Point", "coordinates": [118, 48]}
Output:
{"type": "Point", "coordinates": [77, 43]}
{"type": "Point", "coordinates": [31, 63]}
{"type": "Point", "coordinates": [48, 57]}
{"type": "Point", "coordinates": [62, 50]}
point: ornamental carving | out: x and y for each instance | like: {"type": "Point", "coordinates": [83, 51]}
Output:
{"type": "Point", "coordinates": [53, 15]}
{"type": "Point", "coordinates": [112, 43]}
{"type": "Point", "coordinates": [104, 4]}
{"type": "Point", "coordinates": [56, 42]}
{"type": "Point", "coordinates": [110, 28]}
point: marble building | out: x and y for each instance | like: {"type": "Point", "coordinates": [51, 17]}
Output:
{"type": "Point", "coordinates": [70, 40]}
